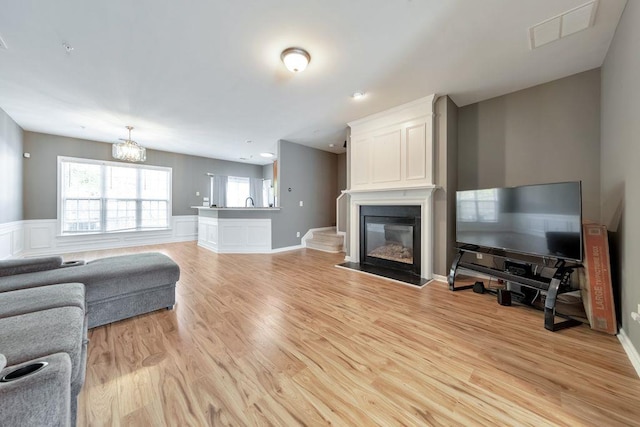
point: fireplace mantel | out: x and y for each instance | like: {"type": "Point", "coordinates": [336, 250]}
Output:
{"type": "Point", "coordinates": [390, 157]}
{"type": "Point", "coordinates": [421, 196]}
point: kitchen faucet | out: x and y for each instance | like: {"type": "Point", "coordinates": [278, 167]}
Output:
{"type": "Point", "coordinates": [246, 201]}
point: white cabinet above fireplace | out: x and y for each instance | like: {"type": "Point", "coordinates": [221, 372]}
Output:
{"type": "Point", "coordinates": [393, 149]}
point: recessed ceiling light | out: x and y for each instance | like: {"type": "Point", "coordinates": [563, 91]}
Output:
{"type": "Point", "coordinates": [332, 145]}
{"type": "Point", "coordinates": [358, 95]}
{"type": "Point", "coordinates": [67, 47]}
{"type": "Point", "coordinates": [295, 59]}
{"type": "Point", "coordinates": [267, 155]}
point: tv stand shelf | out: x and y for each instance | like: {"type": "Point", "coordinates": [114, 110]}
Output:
{"type": "Point", "coordinates": [556, 284]}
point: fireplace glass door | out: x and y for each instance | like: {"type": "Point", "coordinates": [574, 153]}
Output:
{"type": "Point", "coordinates": [389, 241]}
{"type": "Point", "coordinates": [390, 237]}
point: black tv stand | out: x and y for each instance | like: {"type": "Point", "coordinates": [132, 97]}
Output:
{"type": "Point", "coordinates": [557, 283]}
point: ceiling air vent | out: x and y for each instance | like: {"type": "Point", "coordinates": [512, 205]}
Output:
{"type": "Point", "coordinates": [563, 25]}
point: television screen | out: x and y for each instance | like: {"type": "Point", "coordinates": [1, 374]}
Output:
{"type": "Point", "coordinates": [543, 220]}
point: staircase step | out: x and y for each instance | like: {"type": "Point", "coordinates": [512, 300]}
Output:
{"type": "Point", "coordinates": [323, 246]}
{"type": "Point", "coordinates": [327, 240]}
{"type": "Point", "coordinates": [331, 230]}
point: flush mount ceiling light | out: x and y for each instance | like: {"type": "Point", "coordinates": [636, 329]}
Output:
{"type": "Point", "coordinates": [358, 95]}
{"type": "Point", "coordinates": [295, 59]}
{"type": "Point", "coordinates": [267, 155]}
{"type": "Point", "coordinates": [129, 150]}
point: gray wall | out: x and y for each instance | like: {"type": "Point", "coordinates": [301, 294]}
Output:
{"type": "Point", "coordinates": [445, 154]}
{"type": "Point", "coordinates": [11, 198]}
{"type": "Point", "coordinates": [620, 168]}
{"type": "Point", "coordinates": [342, 172]}
{"type": "Point", "coordinates": [267, 171]}
{"type": "Point", "coordinates": [547, 133]}
{"type": "Point", "coordinates": [312, 177]}
{"type": "Point", "coordinates": [40, 172]}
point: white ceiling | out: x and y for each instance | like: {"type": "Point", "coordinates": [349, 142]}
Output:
{"type": "Point", "coordinates": [202, 77]}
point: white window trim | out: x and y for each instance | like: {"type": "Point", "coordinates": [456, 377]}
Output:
{"type": "Point", "coordinates": [62, 159]}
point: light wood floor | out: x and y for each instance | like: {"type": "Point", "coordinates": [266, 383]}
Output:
{"type": "Point", "coordinates": [288, 339]}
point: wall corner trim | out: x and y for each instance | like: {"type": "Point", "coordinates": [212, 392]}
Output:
{"type": "Point", "coordinates": [631, 351]}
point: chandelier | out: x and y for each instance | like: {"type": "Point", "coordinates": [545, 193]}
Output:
{"type": "Point", "coordinates": [129, 150]}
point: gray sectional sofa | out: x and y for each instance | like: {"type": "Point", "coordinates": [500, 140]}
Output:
{"type": "Point", "coordinates": [46, 308]}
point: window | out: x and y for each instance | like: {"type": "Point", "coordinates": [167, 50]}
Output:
{"type": "Point", "coordinates": [101, 197]}
{"type": "Point", "coordinates": [478, 206]}
{"type": "Point", "coordinates": [237, 191]}
{"type": "Point", "coordinates": [267, 192]}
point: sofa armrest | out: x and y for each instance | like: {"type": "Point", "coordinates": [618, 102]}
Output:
{"type": "Point", "coordinates": [40, 398]}
{"type": "Point", "coordinates": [29, 265]}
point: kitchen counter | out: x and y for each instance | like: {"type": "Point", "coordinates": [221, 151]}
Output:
{"type": "Point", "coordinates": [205, 208]}
{"type": "Point", "coordinates": [235, 230]}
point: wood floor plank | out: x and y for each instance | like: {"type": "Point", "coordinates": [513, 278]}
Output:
{"type": "Point", "coordinates": [288, 339]}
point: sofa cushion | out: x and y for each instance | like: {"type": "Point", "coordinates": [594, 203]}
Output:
{"type": "Point", "coordinates": [129, 273]}
{"type": "Point", "coordinates": [105, 277]}
{"type": "Point", "coordinates": [29, 265]}
{"type": "Point", "coordinates": [37, 334]}
{"type": "Point", "coordinates": [24, 301]}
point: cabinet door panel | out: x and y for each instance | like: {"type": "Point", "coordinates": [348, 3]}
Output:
{"type": "Point", "coordinates": [385, 157]}
{"type": "Point", "coordinates": [360, 161]}
{"type": "Point", "coordinates": [416, 159]}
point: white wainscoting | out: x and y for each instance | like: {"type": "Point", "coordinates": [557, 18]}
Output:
{"type": "Point", "coordinates": [40, 237]}
{"type": "Point", "coordinates": [226, 235]}
{"type": "Point", "coordinates": [11, 239]}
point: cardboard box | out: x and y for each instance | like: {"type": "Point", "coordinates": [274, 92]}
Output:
{"type": "Point", "coordinates": [596, 286]}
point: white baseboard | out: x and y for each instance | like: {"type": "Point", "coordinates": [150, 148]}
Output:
{"type": "Point", "coordinates": [286, 249]}
{"type": "Point", "coordinates": [631, 351]}
{"type": "Point", "coordinates": [40, 237]}
{"type": "Point", "coordinates": [440, 278]}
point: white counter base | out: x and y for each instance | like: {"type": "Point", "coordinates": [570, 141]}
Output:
{"type": "Point", "coordinates": [234, 236]}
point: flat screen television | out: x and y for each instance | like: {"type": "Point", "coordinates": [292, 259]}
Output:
{"type": "Point", "coordinates": [542, 220]}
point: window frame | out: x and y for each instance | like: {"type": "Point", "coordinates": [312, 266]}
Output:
{"type": "Point", "coordinates": [103, 199]}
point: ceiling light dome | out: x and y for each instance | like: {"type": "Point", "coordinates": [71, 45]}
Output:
{"type": "Point", "coordinates": [295, 59]}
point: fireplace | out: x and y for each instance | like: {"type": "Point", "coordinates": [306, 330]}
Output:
{"type": "Point", "coordinates": [390, 237]}
{"type": "Point", "coordinates": [391, 205]}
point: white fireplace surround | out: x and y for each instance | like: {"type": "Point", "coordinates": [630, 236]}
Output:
{"type": "Point", "coordinates": [409, 196]}
{"type": "Point", "coordinates": [391, 163]}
